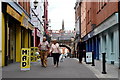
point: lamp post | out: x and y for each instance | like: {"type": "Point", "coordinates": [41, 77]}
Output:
{"type": "Point", "coordinates": [35, 4]}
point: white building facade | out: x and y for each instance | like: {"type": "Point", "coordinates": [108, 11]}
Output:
{"type": "Point", "coordinates": [36, 19]}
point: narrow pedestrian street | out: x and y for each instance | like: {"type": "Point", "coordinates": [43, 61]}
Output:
{"type": "Point", "coordinates": [36, 35]}
{"type": "Point", "coordinates": [70, 68]}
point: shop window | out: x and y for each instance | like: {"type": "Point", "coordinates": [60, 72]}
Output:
{"type": "Point", "coordinates": [98, 8]}
{"type": "Point", "coordinates": [104, 3]}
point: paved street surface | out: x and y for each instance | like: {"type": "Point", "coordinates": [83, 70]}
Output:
{"type": "Point", "coordinates": [70, 68]}
{"type": "Point", "coordinates": [112, 71]}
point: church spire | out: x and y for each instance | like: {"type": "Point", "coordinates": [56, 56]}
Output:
{"type": "Point", "coordinates": [63, 25]}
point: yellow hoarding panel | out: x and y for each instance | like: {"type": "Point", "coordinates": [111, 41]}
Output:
{"type": "Point", "coordinates": [3, 40]}
{"type": "Point", "coordinates": [25, 59]}
{"type": "Point", "coordinates": [18, 43]}
{"type": "Point", "coordinates": [38, 57]}
{"type": "Point", "coordinates": [33, 54]}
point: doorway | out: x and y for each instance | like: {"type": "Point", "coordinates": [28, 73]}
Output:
{"type": "Point", "coordinates": [12, 43]}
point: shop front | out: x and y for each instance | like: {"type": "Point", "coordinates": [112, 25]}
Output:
{"type": "Point", "coordinates": [15, 35]}
{"type": "Point", "coordinates": [10, 22]}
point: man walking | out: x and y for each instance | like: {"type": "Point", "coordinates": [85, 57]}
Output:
{"type": "Point", "coordinates": [81, 50]}
{"type": "Point", "coordinates": [44, 48]}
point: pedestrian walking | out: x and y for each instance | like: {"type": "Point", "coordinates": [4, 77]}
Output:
{"type": "Point", "coordinates": [44, 48]}
{"type": "Point", "coordinates": [55, 52]}
{"type": "Point", "coordinates": [80, 50]}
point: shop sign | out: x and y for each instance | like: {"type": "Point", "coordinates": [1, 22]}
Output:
{"type": "Point", "coordinates": [30, 26]}
{"type": "Point", "coordinates": [24, 21]}
{"type": "Point", "coordinates": [25, 59]}
{"type": "Point", "coordinates": [13, 13]}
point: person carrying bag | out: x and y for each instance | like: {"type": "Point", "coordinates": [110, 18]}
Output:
{"type": "Point", "coordinates": [55, 52]}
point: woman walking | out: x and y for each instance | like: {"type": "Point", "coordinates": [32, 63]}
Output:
{"type": "Point", "coordinates": [55, 52]}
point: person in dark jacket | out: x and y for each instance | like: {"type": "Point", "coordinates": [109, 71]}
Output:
{"type": "Point", "coordinates": [80, 50]}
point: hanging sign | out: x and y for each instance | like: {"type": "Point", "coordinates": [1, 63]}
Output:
{"type": "Point", "coordinates": [25, 59]}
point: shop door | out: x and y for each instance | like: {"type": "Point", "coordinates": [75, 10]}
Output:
{"type": "Point", "coordinates": [12, 43]}
{"type": "Point", "coordinates": [112, 48]}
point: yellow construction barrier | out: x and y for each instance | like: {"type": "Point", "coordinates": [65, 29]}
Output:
{"type": "Point", "coordinates": [25, 59]}
{"type": "Point", "coordinates": [34, 56]}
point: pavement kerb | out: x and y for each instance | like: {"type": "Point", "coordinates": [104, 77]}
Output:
{"type": "Point", "coordinates": [96, 71]}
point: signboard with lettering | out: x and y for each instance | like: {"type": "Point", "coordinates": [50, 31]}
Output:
{"type": "Point", "coordinates": [88, 57]}
{"type": "Point", "coordinates": [13, 13]}
{"type": "Point", "coordinates": [38, 56]}
{"type": "Point", "coordinates": [24, 21]}
{"type": "Point", "coordinates": [30, 26]}
{"type": "Point", "coordinates": [33, 54]}
{"type": "Point", "coordinates": [25, 59]}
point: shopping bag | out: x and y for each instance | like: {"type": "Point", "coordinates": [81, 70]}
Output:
{"type": "Point", "coordinates": [37, 53]}
{"type": "Point", "coordinates": [61, 58]}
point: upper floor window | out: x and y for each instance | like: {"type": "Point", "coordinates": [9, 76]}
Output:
{"type": "Point", "coordinates": [101, 4]}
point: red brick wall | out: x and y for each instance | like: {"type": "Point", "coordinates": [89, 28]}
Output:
{"type": "Point", "coordinates": [77, 12]}
{"type": "Point", "coordinates": [25, 4]}
{"type": "Point", "coordinates": [96, 13]}
{"type": "Point", "coordinates": [107, 11]}
{"type": "Point", "coordinates": [83, 19]}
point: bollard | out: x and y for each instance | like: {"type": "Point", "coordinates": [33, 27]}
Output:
{"type": "Point", "coordinates": [104, 63]}
{"type": "Point", "coordinates": [119, 62]}
{"type": "Point", "coordinates": [93, 62]}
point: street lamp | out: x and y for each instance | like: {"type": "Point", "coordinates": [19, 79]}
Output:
{"type": "Point", "coordinates": [43, 18]}
{"type": "Point", "coordinates": [35, 4]}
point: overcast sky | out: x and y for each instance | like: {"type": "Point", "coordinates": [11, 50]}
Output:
{"type": "Point", "coordinates": [61, 10]}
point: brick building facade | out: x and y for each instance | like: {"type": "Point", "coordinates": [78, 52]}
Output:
{"type": "Point", "coordinates": [99, 29]}
{"type": "Point", "coordinates": [25, 5]}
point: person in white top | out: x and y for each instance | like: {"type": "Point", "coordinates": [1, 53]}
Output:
{"type": "Point", "coordinates": [55, 52]}
{"type": "Point", "coordinates": [44, 48]}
